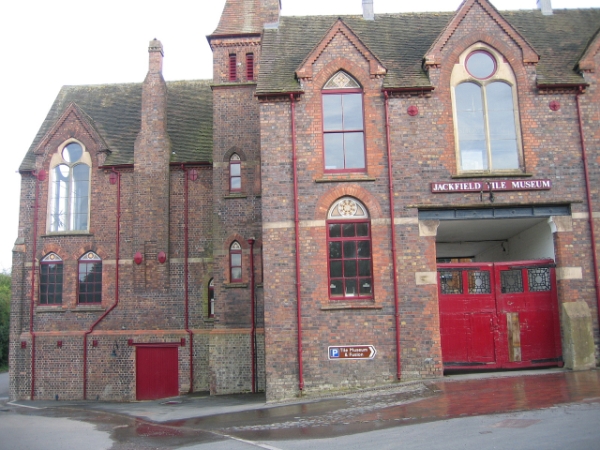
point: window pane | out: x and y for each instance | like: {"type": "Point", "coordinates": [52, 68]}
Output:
{"type": "Point", "coordinates": [350, 249]}
{"type": "Point", "coordinates": [350, 268]}
{"type": "Point", "coordinates": [236, 183]}
{"type": "Point", "coordinates": [336, 287]}
{"type": "Point", "coordinates": [505, 154]}
{"type": "Point", "coordinates": [349, 230]}
{"type": "Point", "coordinates": [72, 152]}
{"type": "Point", "coordinates": [499, 97]}
{"type": "Point", "coordinates": [353, 115]}
{"type": "Point", "coordinates": [481, 64]}
{"type": "Point", "coordinates": [364, 267]}
{"type": "Point", "coordinates": [473, 155]}
{"type": "Point", "coordinates": [335, 250]}
{"type": "Point", "coordinates": [468, 97]}
{"type": "Point", "coordinates": [236, 259]}
{"type": "Point", "coordinates": [539, 279]}
{"type": "Point", "coordinates": [364, 249]}
{"type": "Point", "coordinates": [79, 200]}
{"type": "Point", "coordinates": [236, 273]}
{"type": "Point", "coordinates": [335, 230]}
{"type": "Point", "coordinates": [366, 286]}
{"type": "Point", "coordinates": [235, 169]}
{"type": "Point", "coordinates": [362, 229]}
{"type": "Point", "coordinates": [332, 112]}
{"type": "Point", "coordinates": [334, 151]}
{"type": "Point", "coordinates": [354, 145]}
{"type": "Point", "coordinates": [351, 288]}
{"type": "Point", "coordinates": [335, 269]}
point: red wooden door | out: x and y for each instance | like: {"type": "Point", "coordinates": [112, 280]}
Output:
{"type": "Point", "coordinates": [528, 312]}
{"type": "Point", "coordinates": [157, 372]}
{"type": "Point", "coordinates": [499, 315]}
{"type": "Point", "coordinates": [468, 314]}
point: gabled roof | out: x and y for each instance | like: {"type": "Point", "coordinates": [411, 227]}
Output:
{"type": "Point", "coordinates": [434, 53]}
{"type": "Point", "coordinates": [114, 111]}
{"type": "Point", "coordinates": [401, 41]}
{"type": "Point", "coordinates": [339, 27]}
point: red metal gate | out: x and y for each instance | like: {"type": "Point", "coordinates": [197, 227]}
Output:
{"type": "Point", "coordinates": [499, 315]}
{"type": "Point", "coordinates": [157, 372]}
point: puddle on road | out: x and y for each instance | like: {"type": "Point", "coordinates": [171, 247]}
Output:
{"type": "Point", "coordinates": [356, 413]}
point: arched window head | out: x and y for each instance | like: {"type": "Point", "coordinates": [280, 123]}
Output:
{"type": "Point", "coordinates": [343, 124]}
{"type": "Point", "coordinates": [90, 278]}
{"type": "Point", "coordinates": [51, 280]}
{"type": "Point", "coordinates": [349, 251]}
{"type": "Point", "coordinates": [485, 112]}
{"type": "Point", "coordinates": [235, 262]}
{"type": "Point", "coordinates": [211, 298]}
{"type": "Point", "coordinates": [235, 173]}
{"type": "Point", "coordinates": [70, 189]}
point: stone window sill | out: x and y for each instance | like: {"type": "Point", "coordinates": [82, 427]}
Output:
{"type": "Point", "coordinates": [89, 308]}
{"type": "Point", "coordinates": [491, 175]}
{"type": "Point", "coordinates": [49, 309]}
{"type": "Point", "coordinates": [336, 178]}
{"type": "Point", "coordinates": [235, 285]}
{"type": "Point", "coordinates": [235, 196]}
{"type": "Point", "coordinates": [349, 305]}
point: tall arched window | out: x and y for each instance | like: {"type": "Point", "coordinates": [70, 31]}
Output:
{"type": "Point", "coordinates": [235, 262]}
{"type": "Point", "coordinates": [70, 189]}
{"type": "Point", "coordinates": [235, 173]}
{"type": "Point", "coordinates": [51, 280]}
{"type": "Point", "coordinates": [343, 124]}
{"type": "Point", "coordinates": [349, 249]}
{"type": "Point", "coordinates": [485, 112]}
{"type": "Point", "coordinates": [211, 298]}
{"type": "Point", "coordinates": [90, 278]}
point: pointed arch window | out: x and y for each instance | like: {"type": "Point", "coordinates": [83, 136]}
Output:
{"type": "Point", "coordinates": [51, 280]}
{"type": "Point", "coordinates": [235, 262]}
{"type": "Point", "coordinates": [343, 124]}
{"type": "Point", "coordinates": [211, 298]}
{"type": "Point", "coordinates": [90, 279]}
{"type": "Point", "coordinates": [486, 113]}
{"type": "Point", "coordinates": [349, 251]}
{"type": "Point", "coordinates": [235, 173]}
{"type": "Point", "coordinates": [70, 189]}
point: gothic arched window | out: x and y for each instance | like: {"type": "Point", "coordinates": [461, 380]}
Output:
{"type": "Point", "coordinates": [70, 189]}
{"type": "Point", "coordinates": [349, 250]}
{"type": "Point", "coordinates": [485, 112]}
{"type": "Point", "coordinates": [343, 124]}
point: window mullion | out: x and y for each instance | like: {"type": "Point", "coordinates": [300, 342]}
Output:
{"type": "Point", "coordinates": [486, 125]}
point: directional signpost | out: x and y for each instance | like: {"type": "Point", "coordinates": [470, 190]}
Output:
{"type": "Point", "coordinates": [351, 352]}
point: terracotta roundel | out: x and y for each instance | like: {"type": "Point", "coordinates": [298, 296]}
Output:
{"type": "Point", "coordinates": [346, 208]}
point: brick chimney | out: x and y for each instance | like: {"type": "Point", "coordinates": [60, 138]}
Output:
{"type": "Point", "coordinates": [545, 6]}
{"type": "Point", "coordinates": [152, 154]}
{"type": "Point", "coordinates": [368, 13]}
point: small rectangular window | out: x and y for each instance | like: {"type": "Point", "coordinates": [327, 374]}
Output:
{"type": "Point", "coordinates": [250, 66]}
{"type": "Point", "coordinates": [232, 67]}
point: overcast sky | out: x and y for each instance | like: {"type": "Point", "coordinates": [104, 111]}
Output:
{"type": "Point", "coordinates": [50, 43]}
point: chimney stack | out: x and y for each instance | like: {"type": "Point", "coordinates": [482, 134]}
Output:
{"type": "Point", "coordinates": [155, 49]}
{"type": "Point", "coordinates": [545, 6]}
{"type": "Point", "coordinates": [368, 13]}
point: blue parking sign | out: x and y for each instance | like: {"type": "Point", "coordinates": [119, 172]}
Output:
{"type": "Point", "coordinates": [334, 353]}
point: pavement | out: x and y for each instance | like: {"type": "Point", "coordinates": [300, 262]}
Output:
{"type": "Point", "coordinates": [417, 401]}
{"type": "Point", "coordinates": [472, 411]}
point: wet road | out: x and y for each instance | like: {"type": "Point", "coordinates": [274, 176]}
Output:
{"type": "Point", "coordinates": [533, 411]}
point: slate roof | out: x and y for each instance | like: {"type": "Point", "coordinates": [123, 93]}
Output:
{"type": "Point", "coordinates": [400, 41]}
{"type": "Point", "coordinates": [114, 110]}
{"type": "Point", "coordinates": [246, 16]}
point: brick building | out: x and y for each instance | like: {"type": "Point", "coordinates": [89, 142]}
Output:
{"type": "Point", "coordinates": [350, 201]}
